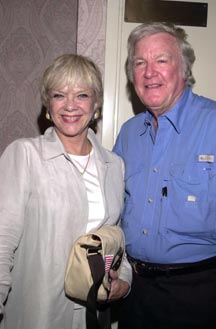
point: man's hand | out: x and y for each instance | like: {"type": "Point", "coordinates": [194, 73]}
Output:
{"type": "Point", "coordinates": [119, 288]}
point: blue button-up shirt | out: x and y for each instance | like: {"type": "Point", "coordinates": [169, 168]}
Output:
{"type": "Point", "coordinates": [170, 194]}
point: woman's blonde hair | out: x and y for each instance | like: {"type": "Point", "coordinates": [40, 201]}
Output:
{"type": "Point", "coordinates": [71, 70]}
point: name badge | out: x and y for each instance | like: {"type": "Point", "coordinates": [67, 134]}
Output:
{"type": "Point", "coordinates": [206, 158]}
{"type": "Point", "coordinates": [191, 198]}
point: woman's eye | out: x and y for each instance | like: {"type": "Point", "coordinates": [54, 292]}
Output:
{"type": "Point", "coordinates": [58, 96]}
{"type": "Point", "coordinates": [83, 96]}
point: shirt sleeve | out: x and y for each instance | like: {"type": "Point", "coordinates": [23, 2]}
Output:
{"type": "Point", "coordinates": [117, 148]}
{"type": "Point", "coordinates": [126, 270]}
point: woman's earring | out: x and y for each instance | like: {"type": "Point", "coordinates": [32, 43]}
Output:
{"type": "Point", "coordinates": [48, 117]}
{"type": "Point", "coordinates": [96, 115]}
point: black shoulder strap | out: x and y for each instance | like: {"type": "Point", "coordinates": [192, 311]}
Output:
{"type": "Point", "coordinates": [96, 264]}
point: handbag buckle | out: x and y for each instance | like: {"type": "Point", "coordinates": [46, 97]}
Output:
{"type": "Point", "coordinates": [91, 250]}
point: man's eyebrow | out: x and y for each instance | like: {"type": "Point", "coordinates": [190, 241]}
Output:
{"type": "Point", "coordinates": [164, 55]}
{"type": "Point", "coordinates": [156, 56]}
{"type": "Point", "coordinates": [137, 57]}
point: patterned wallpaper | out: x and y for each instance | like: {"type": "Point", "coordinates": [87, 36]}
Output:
{"type": "Point", "coordinates": [32, 34]}
{"type": "Point", "coordinates": [91, 30]}
{"type": "Point", "coordinates": [91, 34]}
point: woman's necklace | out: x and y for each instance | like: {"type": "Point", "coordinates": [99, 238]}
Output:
{"type": "Point", "coordinates": [86, 166]}
{"type": "Point", "coordinates": [78, 160]}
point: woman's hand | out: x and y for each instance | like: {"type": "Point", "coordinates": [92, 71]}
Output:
{"type": "Point", "coordinates": [119, 288]}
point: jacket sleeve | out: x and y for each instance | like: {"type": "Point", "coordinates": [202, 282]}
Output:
{"type": "Point", "coordinates": [126, 271]}
{"type": "Point", "coordinates": [13, 182]}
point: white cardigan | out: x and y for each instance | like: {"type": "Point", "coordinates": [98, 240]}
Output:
{"type": "Point", "coordinates": [43, 209]}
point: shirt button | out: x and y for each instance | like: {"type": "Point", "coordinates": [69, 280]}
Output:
{"type": "Point", "coordinates": [150, 200]}
{"type": "Point", "coordinates": [155, 169]}
{"type": "Point", "coordinates": [145, 231]}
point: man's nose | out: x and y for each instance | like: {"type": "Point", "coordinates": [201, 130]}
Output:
{"type": "Point", "coordinates": [149, 70]}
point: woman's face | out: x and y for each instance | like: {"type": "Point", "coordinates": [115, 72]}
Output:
{"type": "Point", "coordinates": [71, 111]}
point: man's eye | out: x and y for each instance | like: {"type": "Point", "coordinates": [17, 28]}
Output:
{"type": "Point", "coordinates": [161, 61]}
{"type": "Point", "coordinates": [139, 63]}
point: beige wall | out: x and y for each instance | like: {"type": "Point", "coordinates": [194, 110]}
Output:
{"type": "Point", "coordinates": [117, 108]}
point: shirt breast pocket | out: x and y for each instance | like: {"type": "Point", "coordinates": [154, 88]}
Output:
{"type": "Point", "coordinates": [192, 199]}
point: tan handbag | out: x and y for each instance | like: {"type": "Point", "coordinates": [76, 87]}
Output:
{"type": "Point", "coordinates": [91, 258]}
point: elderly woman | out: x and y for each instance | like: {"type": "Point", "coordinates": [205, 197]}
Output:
{"type": "Point", "coordinates": [57, 187]}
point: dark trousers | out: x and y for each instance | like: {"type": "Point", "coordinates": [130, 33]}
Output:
{"type": "Point", "coordinates": [185, 301]}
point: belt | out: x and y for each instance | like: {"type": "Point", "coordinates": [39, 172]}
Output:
{"type": "Point", "coordinates": [152, 269]}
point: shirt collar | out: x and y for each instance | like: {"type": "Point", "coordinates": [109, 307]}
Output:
{"type": "Point", "coordinates": [52, 146]}
{"type": "Point", "coordinates": [175, 115]}
{"type": "Point", "coordinates": [147, 122]}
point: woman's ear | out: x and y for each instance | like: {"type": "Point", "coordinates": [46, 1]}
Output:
{"type": "Point", "coordinates": [48, 116]}
{"type": "Point", "coordinates": [96, 114]}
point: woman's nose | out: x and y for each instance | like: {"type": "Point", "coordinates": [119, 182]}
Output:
{"type": "Point", "coordinates": [70, 102]}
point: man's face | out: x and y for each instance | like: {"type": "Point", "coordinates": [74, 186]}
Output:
{"type": "Point", "coordinates": [158, 72]}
